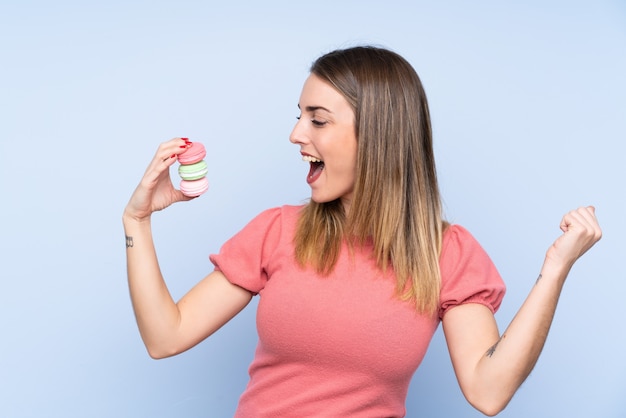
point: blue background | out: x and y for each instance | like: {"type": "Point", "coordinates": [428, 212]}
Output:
{"type": "Point", "coordinates": [529, 115]}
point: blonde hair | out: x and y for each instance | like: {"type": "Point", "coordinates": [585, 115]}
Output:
{"type": "Point", "coordinates": [396, 202]}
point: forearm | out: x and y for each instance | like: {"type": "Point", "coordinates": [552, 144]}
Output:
{"type": "Point", "coordinates": [156, 312]}
{"type": "Point", "coordinates": [506, 364]}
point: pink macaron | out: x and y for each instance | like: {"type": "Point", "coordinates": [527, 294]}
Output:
{"type": "Point", "coordinates": [193, 188]}
{"type": "Point", "coordinates": [195, 153]}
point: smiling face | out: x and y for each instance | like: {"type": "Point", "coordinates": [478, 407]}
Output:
{"type": "Point", "coordinates": [326, 134]}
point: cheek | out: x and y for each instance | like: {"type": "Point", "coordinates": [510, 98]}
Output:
{"type": "Point", "coordinates": [352, 157]}
{"type": "Point", "coordinates": [347, 170]}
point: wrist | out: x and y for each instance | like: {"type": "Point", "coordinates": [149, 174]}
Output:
{"type": "Point", "coordinates": [554, 269]}
{"type": "Point", "coordinates": [129, 220]}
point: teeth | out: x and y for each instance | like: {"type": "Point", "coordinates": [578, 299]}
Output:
{"type": "Point", "coordinates": [310, 159]}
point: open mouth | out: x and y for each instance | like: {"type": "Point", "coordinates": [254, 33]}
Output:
{"type": "Point", "coordinates": [315, 169]}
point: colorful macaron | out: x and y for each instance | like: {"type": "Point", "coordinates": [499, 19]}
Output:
{"type": "Point", "coordinates": [195, 153]}
{"type": "Point", "coordinates": [193, 188]}
{"type": "Point", "coordinates": [193, 170]}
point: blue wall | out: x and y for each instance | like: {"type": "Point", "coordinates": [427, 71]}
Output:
{"type": "Point", "coordinates": [529, 119]}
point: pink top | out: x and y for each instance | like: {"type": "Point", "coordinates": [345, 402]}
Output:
{"type": "Point", "coordinates": [342, 345]}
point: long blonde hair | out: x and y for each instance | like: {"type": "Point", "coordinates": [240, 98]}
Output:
{"type": "Point", "coordinates": [396, 202]}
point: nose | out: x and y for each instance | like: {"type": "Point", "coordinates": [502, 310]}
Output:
{"type": "Point", "coordinates": [297, 135]}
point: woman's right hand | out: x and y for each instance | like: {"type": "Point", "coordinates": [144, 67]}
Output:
{"type": "Point", "coordinates": [155, 190]}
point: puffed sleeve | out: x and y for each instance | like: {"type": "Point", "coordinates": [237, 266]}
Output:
{"type": "Point", "coordinates": [244, 258]}
{"type": "Point", "coordinates": [467, 273]}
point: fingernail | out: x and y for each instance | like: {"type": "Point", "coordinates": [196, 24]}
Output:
{"type": "Point", "coordinates": [184, 146]}
{"type": "Point", "coordinates": [173, 155]}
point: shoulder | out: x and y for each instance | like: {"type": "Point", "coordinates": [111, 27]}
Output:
{"type": "Point", "coordinates": [467, 272]}
{"type": "Point", "coordinates": [290, 211]}
{"type": "Point", "coordinates": [456, 235]}
{"type": "Point", "coordinates": [461, 249]}
{"type": "Point", "coordinates": [455, 230]}
{"type": "Point", "coordinates": [285, 213]}
{"type": "Point", "coordinates": [279, 220]}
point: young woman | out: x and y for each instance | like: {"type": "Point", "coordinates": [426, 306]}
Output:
{"type": "Point", "coordinates": [353, 284]}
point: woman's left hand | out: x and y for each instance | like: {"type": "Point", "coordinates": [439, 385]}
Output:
{"type": "Point", "coordinates": [580, 232]}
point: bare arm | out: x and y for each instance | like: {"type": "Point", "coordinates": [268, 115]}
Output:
{"type": "Point", "coordinates": [489, 367]}
{"type": "Point", "coordinates": [166, 327]}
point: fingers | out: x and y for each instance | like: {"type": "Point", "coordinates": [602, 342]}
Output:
{"type": "Point", "coordinates": [583, 217]}
{"type": "Point", "coordinates": [156, 178]}
{"type": "Point", "coordinates": [164, 157]}
{"type": "Point", "coordinates": [168, 151]}
{"type": "Point", "coordinates": [581, 230]}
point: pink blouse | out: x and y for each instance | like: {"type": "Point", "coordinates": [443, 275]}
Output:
{"type": "Point", "coordinates": [342, 345]}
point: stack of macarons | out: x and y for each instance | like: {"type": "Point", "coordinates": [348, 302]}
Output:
{"type": "Point", "coordinates": [193, 170]}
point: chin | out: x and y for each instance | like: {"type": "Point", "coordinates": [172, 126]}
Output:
{"type": "Point", "coordinates": [319, 200]}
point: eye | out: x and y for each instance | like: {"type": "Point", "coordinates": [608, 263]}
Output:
{"type": "Point", "coordinates": [318, 123]}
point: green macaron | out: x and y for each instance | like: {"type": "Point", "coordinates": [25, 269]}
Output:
{"type": "Point", "coordinates": [193, 171]}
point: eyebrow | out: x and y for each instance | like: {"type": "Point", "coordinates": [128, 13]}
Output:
{"type": "Point", "coordinates": [314, 108]}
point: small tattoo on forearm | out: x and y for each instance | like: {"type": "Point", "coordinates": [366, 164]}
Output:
{"type": "Point", "coordinates": [129, 241]}
{"type": "Point", "coordinates": [538, 278]}
{"type": "Point", "coordinates": [493, 348]}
